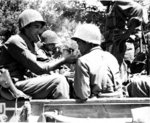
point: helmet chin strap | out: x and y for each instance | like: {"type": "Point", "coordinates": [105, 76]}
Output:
{"type": "Point", "coordinates": [39, 39]}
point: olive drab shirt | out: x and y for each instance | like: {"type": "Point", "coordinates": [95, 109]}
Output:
{"type": "Point", "coordinates": [97, 71]}
{"type": "Point", "coordinates": [19, 55]}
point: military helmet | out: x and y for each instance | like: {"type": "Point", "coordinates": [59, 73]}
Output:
{"type": "Point", "coordinates": [29, 16]}
{"type": "Point", "coordinates": [89, 33]}
{"type": "Point", "coordinates": [50, 37]}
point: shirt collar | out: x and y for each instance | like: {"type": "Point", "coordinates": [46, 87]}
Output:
{"type": "Point", "coordinates": [96, 48]}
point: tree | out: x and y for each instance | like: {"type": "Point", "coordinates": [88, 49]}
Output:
{"type": "Point", "coordinates": [10, 9]}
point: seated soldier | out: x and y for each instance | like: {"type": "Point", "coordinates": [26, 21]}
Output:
{"type": "Point", "coordinates": [54, 49]}
{"type": "Point", "coordinates": [19, 56]}
{"type": "Point", "coordinates": [139, 82]}
{"type": "Point", "coordinates": [97, 72]}
{"type": "Point", "coordinates": [51, 44]}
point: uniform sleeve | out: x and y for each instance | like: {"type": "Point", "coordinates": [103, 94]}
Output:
{"type": "Point", "coordinates": [82, 81]}
{"type": "Point", "coordinates": [19, 51]}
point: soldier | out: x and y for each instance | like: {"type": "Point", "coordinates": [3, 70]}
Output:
{"type": "Point", "coordinates": [97, 72]}
{"type": "Point", "coordinates": [120, 40]}
{"type": "Point", "coordinates": [139, 85]}
{"type": "Point", "coordinates": [51, 44]}
{"type": "Point", "coordinates": [19, 56]}
{"type": "Point", "coordinates": [124, 34]}
{"type": "Point", "coordinates": [54, 49]}
{"type": "Point", "coordinates": [116, 22]}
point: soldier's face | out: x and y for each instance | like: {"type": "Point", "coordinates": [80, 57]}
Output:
{"type": "Point", "coordinates": [82, 46]}
{"type": "Point", "coordinates": [50, 47]}
{"type": "Point", "coordinates": [33, 31]}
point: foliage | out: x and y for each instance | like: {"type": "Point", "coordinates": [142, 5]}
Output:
{"type": "Point", "coordinates": [10, 9]}
{"type": "Point", "coordinates": [55, 12]}
{"type": "Point", "coordinates": [61, 16]}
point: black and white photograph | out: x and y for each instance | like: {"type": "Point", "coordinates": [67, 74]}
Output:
{"type": "Point", "coordinates": [75, 61]}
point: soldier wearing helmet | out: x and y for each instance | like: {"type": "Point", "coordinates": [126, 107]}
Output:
{"type": "Point", "coordinates": [51, 44]}
{"type": "Point", "coordinates": [19, 56]}
{"type": "Point", "coordinates": [30, 16]}
{"type": "Point", "coordinates": [94, 71]}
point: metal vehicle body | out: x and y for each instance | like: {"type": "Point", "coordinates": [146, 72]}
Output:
{"type": "Point", "coordinates": [104, 110]}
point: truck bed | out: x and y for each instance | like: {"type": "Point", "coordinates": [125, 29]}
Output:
{"type": "Point", "coordinates": [108, 109]}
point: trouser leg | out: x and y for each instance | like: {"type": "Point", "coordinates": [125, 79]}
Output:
{"type": "Point", "coordinates": [139, 86]}
{"type": "Point", "coordinates": [45, 86]}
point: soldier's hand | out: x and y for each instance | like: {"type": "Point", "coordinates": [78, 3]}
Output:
{"type": "Point", "coordinates": [71, 58]}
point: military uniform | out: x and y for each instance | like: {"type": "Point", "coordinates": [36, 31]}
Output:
{"type": "Point", "coordinates": [139, 86]}
{"type": "Point", "coordinates": [51, 44]}
{"type": "Point", "coordinates": [96, 71]}
{"type": "Point", "coordinates": [95, 74]}
{"type": "Point", "coordinates": [19, 56]}
{"type": "Point", "coordinates": [116, 25]}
